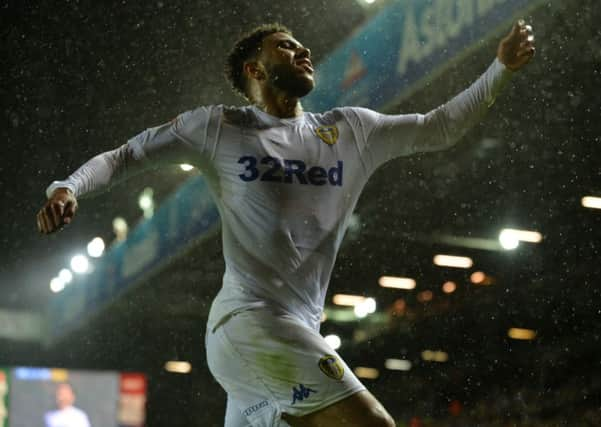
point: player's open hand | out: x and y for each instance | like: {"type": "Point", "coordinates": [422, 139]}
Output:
{"type": "Point", "coordinates": [517, 48]}
{"type": "Point", "coordinates": [57, 212]}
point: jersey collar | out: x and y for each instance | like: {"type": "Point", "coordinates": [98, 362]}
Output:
{"type": "Point", "coordinates": [277, 121]}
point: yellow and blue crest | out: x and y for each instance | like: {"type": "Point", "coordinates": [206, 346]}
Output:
{"type": "Point", "coordinates": [331, 366]}
{"type": "Point", "coordinates": [328, 134]}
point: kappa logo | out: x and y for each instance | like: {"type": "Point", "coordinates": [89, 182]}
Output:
{"type": "Point", "coordinates": [328, 134]}
{"type": "Point", "coordinates": [331, 366]}
{"type": "Point", "coordinates": [301, 393]}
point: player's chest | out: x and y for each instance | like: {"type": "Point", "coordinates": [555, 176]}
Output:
{"type": "Point", "coordinates": [303, 155]}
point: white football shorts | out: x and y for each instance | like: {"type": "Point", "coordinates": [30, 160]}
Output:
{"type": "Point", "coordinates": [270, 364]}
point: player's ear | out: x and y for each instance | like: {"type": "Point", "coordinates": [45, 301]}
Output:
{"type": "Point", "coordinates": [253, 70]}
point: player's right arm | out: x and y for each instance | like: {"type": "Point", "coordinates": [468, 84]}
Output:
{"type": "Point", "coordinates": [180, 141]}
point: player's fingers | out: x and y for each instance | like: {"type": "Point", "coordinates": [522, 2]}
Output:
{"type": "Point", "coordinates": [527, 52]}
{"type": "Point", "coordinates": [40, 223]}
{"type": "Point", "coordinates": [46, 223]}
{"type": "Point", "coordinates": [517, 27]}
{"type": "Point", "coordinates": [58, 209]}
{"type": "Point", "coordinates": [69, 212]}
{"type": "Point", "coordinates": [51, 216]}
{"type": "Point", "coordinates": [526, 29]}
{"type": "Point", "coordinates": [526, 44]}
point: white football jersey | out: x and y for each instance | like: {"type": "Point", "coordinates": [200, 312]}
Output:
{"type": "Point", "coordinates": [285, 188]}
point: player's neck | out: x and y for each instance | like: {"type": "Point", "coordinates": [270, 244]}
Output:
{"type": "Point", "coordinates": [280, 104]}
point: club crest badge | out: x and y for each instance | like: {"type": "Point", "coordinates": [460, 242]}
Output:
{"type": "Point", "coordinates": [331, 366]}
{"type": "Point", "coordinates": [328, 134]}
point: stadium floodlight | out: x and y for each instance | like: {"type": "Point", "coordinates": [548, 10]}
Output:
{"type": "Point", "coordinates": [396, 282]}
{"type": "Point", "coordinates": [347, 299]}
{"type": "Point", "coordinates": [360, 311]}
{"type": "Point", "coordinates": [510, 238]}
{"type": "Point", "coordinates": [120, 228]}
{"type": "Point", "coordinates": [178, 367]}
{"type": "Point", "coordinates": [365, 372]}
{"type": "Point", "coordinates": [65, 275]}
{"type": "Point", "coordinates": [96, 247]}
{"type": "Point", "coordinates": [146, 202]}
{"type": "Point", "coordinates": [333, 341]}
{"type": "Point", "coordinates": [478, 278]}
{"type": "Point", "coordinates": [365, 307]}
{"type": "Point", "coordinates": [591, 202]}
{"type": "Point", "coordinates": [449, 287]}
{"type": "Point", "coordinates": [186, 167]}
{"type": "Point", "coordinates": [397, 364]}
{"type": "Point", "coordinates": [80, 264]}
{"type": "Point", "coordinates": [435, 356]}
{"type": "Point", "coordinates": [521, 334]}
{"type": "Point", "coordinates": [370, 305]}
{"type": "Point", "coordinates": [57, 285]}
{"type": "Point", "coordinates": [453, 261]}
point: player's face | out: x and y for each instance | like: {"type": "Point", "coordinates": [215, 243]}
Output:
{"type": "Point", "coordinates": [64, 396]}
{"type": "Point", "coordinates": [287, 64]}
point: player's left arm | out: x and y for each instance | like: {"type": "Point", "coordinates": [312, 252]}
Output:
{"type": "Point", "coordinates": [441, 128]}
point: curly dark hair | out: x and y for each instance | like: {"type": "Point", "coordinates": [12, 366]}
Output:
{"type": "Point", "coordinates": [245, 48]}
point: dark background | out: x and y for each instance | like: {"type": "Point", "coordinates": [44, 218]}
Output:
{"type": "Point", "coordinates": [81, 77]}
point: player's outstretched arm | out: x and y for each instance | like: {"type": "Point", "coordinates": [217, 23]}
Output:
{"type": "Point", "coordinates": [94, 176]}
{"type": "Point", "coordinates": [166, 144]}
{"type": "Point", "coordinates": [444, 126]}
{"type": "Point", "coordinates": [391, 136]}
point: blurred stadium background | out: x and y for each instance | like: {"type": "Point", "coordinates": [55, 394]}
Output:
{"type": "Point", "coordinates": [511, 339]}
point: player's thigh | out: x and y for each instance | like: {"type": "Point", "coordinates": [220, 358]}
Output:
{"type": "Point", "coordinates": [359, 410]}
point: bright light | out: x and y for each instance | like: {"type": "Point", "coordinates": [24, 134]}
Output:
{"type": "Point", "coordinates": [80, 264]}
{"type": "Point", "coordinates": [435, 356]}
{"type": "Point", "coordinates": [522, 235]}
{"type": "Point", "coordinates": [360, 311]}
{"type": "Point", "coordinates": [324, 317]}
{"type": "Point", "coordinates": [145, 199]}
{"type": "Point", "coordinates": [333, 341]}
{"type": "Point", "coordinates": [449, 287]}
{"type": "Point", "coordinates": [477, 278]}
{"type": "Point", "coordinates": [369, 1]}
{"type": "Point", "coordinates": [369, 373]}
{"type": "Point", "coordinates": [57, 285]}
{"type": "Point", "coordinates": [397, 364]}
{"type": "Point", "coordinates": [186, 167]}
{"type": "Point", "coordinates": [178, 367]}
{"type": "Point", "coordinates": [521, 334]}
{"type": "Point", "coordinates": [65, 275]}
{"type": "Point", "coordinates": [120, 228]}
{"type": "Point", "coordinates": [453, 261]}
{"type": "Point", "coordinates": [96, 247]}
{"type": "Point", "coordinates": [508, 240]}
{"type": "Point", "coordinates": [396, 282]}
{"type": "Point", "coordinates": [365, 307]}
{"type": "Point", "coordinates": [347, 300]}
{"type": "Point", "coordinates": [591, 202]}
{"type": "Point", "coordinates": [146, 202]}
{"type": "Point", "coordinates": [370, 305]}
